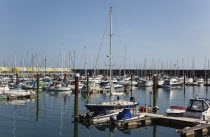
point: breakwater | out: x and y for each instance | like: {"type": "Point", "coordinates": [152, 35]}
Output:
{"type": "Point", "coordinates": [146, 72]}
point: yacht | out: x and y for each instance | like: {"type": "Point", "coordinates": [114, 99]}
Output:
{"type": "Point", "coordinates": [145, 83]}
{"type": "Point", "coordinates": [198, 108]}
{"type": "Point", "coordinates": [62, 87]}
{"type": "Point", "coordinates": [171, 83]}
{"type": "Point", "coordinates": [117, 104]}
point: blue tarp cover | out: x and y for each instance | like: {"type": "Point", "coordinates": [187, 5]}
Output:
{"type": "Point", "coordinates": [125, 114]}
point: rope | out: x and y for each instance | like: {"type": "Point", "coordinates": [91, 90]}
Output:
{"type": "Point", "coordinates": [101, 45]}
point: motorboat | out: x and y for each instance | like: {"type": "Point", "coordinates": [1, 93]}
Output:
{"type": "Point", "coordinates": [4, 87]}
{"type": "Point", "coordinates": [198, 108]}
{"type": "Point", "coordinates": [62, 87]}
{"type": "Point", "coordinates": [93, 87]}
{"type": "Point", "coordinates": [72, 85]}
{"type": "Point", "coordinates": [176, 111]}
{"type": "Point", "coordinates": [171, 83]}
{"type": "Point", "coordinates": [19, 92]}
{"type": "Point", "coordinates": [160, 82]}
{"type": "Point", "coordinates": [106, 85]}
{"type": "Point", "coordinates": [49, 88]}
{"type": "Point", "coordinates": [100, 116]}
{"type": "Point", "coordinates": [126, 116]}
{"type": "Point", "coordinates": [145, 83]}
{"type": "Point", "coordinates": [198, 82]}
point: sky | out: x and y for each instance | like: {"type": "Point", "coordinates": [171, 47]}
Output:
{"type": "Point", "coordinates": [146, 33]}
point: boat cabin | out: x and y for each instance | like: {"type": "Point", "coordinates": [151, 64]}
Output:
{"type": "Point", "coordinates": [198, 108]}
{"type": "Point", "coordinates": [198, 105]}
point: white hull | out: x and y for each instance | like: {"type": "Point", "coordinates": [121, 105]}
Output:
{"type": "Point", "coordinates": [18, 93]}
{"type": "Point", "coordinates": [58, 89]}
{"type": "Point", "coordinates": [135, 117]}
{"type": "Point", "coordinates": [4, 88]}
{"type": "Point", "coordinates": [50, 88]}
{"type": "Point", "coordinates": [102, 118]}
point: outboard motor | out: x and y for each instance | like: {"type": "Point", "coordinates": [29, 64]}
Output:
{"type": "Point", "coordinates": [132, 99]}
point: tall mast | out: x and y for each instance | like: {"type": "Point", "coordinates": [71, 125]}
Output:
{"type": "Point", "coordinates": [45, 65]}
{"type": "Point", "coordinates": [124, 60]}
{"type": "Point", "coordinates": [110, 56]}
{"type": "Point", "coordinates": [85, 61]}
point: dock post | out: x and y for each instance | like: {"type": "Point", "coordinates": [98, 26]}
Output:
{"type": "Point", "coordinates": [76, 97]}
{"type": "Point", "coordinates": [131, 82]}
{"type": "Point", "coordinates": [65, 78]}
{"type": "Point", "coordinates": [75, 129]}
{"type": "Point", "coordinates": [87, 83]}
{"type": "Point", "coordinates": [184, 79]}
{"type": "Point", "coordinates": [155, 83]}
{"type": "Point", "coordinates": [37, 108]}
{"type": "Point", "coordinates": [207, 79]}
{"type": "Point", "coordinates": [37, 79]}
{"type": "Point", "coordinates": [154, 131]}
{"type": "Point", "coordinates": [17, 80]}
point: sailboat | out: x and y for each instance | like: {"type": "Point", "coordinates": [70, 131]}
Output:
{"type": "Point", "coordinates": [117, 104]}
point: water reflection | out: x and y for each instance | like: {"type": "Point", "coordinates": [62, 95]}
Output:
{"type": "Point", "coordinates": [37, 109]}
{"type": "Point", "coordinates": [51, 114]}
{"type": "Point", "coordinates": [14, 122]}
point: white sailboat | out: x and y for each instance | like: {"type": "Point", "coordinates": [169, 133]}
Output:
{"type": "Point", "coordinates": [110, 105]}
{"type": "Point", "coordinates": [112, 88]}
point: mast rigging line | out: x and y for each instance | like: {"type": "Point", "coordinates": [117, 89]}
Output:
{"type": "Point", "coordinates": [95, 67]}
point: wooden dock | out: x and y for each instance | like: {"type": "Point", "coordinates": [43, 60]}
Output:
{"type": "Point", "coordinates": [186, 126]}
{"type": "Point", "coordinates": [145, 121]}
{"type": "Point", "coordinates": [190, 126]}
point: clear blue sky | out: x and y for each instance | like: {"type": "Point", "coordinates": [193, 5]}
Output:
{"type": "Point", "coordinates": [160, 31]}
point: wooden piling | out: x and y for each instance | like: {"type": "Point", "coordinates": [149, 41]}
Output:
{"type": "Point", "coordinates": [37, 79]}
{"type": "Point", "coordinates": [87, 83]}
{"type": "Point", "coordinates": [76, 97]}
{"type": "Point", "coordinates": [17, 80]}
{"type": "Point", "coordinates": [155, 83]}
{"type": "Point", "coordinates": [206, 79]}
{"type": "Point", "coordinates": [131, 83]}
{"type": "Point", "coordinates": [65, 78]}
{"type": "Point", "coordinates": [75, 129]}
{"type": "Point", "coordinates": [184, 79]}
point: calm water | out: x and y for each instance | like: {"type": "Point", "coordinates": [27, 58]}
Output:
{"type": "Point", "coordinates": [51, 115]}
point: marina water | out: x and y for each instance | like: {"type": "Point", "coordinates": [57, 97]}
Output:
{"type": "Point", "coordinates": [51, 114]}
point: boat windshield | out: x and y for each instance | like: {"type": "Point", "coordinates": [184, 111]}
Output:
{"type": "Point", "coordinates": [197, 106]}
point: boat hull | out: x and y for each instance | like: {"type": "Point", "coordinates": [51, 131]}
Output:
{"type": "Point", "coordinates": [98, 107]}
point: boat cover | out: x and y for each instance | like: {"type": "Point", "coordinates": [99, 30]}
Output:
{"type": "Point", "coordinates": [125, 114]}
{"type": "Point", "coordinates": [178, 107]}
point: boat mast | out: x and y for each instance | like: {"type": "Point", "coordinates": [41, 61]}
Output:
{"type": "Point", "coordinates": [45, 65]}
{"type": "Point", "coordinates": [110, 56]}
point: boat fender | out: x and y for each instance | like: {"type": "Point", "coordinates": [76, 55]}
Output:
{"type": "Point", "coordinates": [113, 118]}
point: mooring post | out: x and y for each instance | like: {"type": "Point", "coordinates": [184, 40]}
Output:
{"type": "Point", "coordinates": [206, 79]}
{"type": "Point", "coordinates": [155, 82]}
{"type": "Point", "coordinates": [17, 80]}
{"type": "Point", "coordinates": [37, 108]}
{"type": "Point", "coordinates": [131, 82]}
{"type": "Point", "coordinates": [87, 82]}
{"type": "Point", "coordinates": [65, 78]}
{"type": "Point", "coordinates": [75, 129]}
{"type": "Point", "coordinates": [184, 79]}
{"type": "Point", "coordinates": [37, 86]}
{"type": "Point", "coordinates": [76, 97]}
